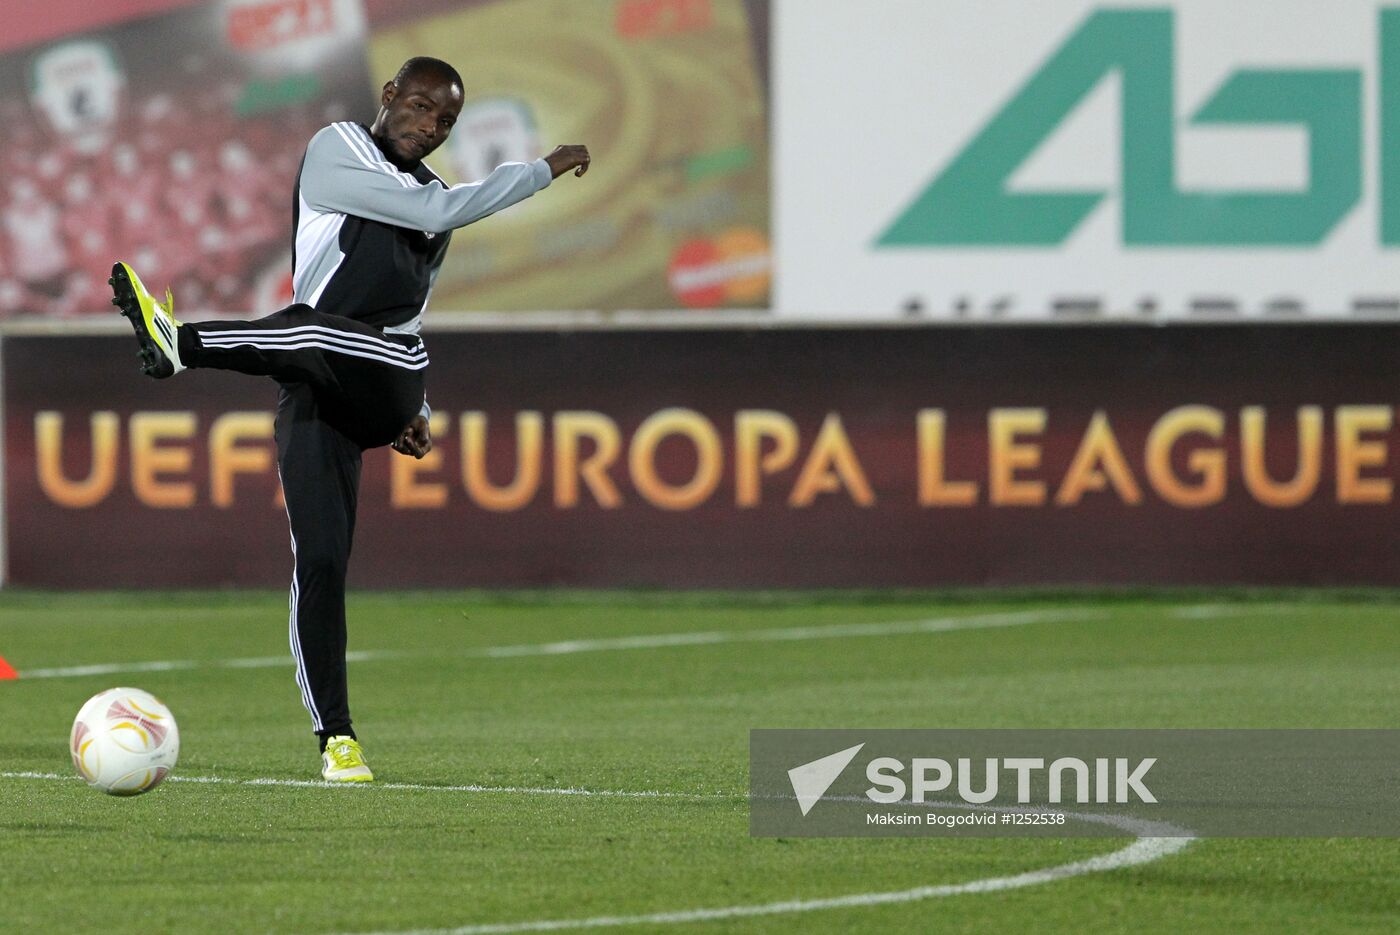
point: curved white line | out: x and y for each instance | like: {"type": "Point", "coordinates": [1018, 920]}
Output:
{"type": "Point", "coordinates": [1155, 840]}
{"type": "Point", "coordinates": [1141, 851]}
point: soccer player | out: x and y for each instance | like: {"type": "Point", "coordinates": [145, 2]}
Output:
{"type": "Point", "coordinates": [371, 226]}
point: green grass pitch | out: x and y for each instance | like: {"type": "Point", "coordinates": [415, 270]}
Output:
{"type": "Point", "coordinates": [439, 702]}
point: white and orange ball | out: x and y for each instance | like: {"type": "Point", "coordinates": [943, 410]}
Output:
{"type": "Point", "coordinates": [124, 741]}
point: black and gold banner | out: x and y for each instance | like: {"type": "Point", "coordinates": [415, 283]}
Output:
{"type": "Point", "coordinates": [749, 458]}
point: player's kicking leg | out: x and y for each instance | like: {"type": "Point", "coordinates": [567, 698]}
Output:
{"type": "Point", "coordinates": [154, 322]}
{"type": "Point", "coordinates": [368, 383]}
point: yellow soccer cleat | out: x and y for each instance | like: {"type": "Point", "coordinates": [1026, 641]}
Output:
{"type": "Point", "coordinates": [344, 761]}
{"type": "Point", "coordinates": [153, 321]}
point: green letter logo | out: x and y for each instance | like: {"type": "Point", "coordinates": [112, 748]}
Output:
{"type": "Point", "coordinates": [968, 204]}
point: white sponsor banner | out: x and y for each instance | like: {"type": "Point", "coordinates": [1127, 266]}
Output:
{"type": "Point", "coordinates": [1021, 160]}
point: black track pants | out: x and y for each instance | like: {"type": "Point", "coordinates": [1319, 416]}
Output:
{"type": "Point", "coordinates": [345, 387]}
{"type": "Point", "coordinates": [367, 384]}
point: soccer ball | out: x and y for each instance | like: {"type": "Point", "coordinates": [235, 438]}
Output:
{"type": "Point", "coordinates": [124, 741]}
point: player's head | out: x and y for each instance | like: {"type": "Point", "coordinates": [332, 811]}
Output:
{"type": "Point", "coordinates": [417, 109]}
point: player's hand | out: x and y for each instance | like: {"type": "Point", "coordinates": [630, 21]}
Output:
{"type": "Point", "coordinates": [565, 158]}
{"type": "Point", "coordinates": [415, 439]}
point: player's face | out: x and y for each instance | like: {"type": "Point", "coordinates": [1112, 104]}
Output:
{"type": "Point", "coordinates": [418, 116]}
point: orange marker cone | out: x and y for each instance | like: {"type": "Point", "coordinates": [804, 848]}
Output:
{"type": "Point", "coordinates": [7, 671]}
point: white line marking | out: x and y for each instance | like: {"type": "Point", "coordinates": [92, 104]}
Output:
{"type": "Point", "coordinates": [608, 644]}
{"type": "Point", "coordinates": [1141, 851]}
{"type": "Point", "coordinates": [111, 669]}
{"type": "Point", "coordinates": [789, 634]}
{"type": "Point", "coordinates": [1155, 840]}
{"type": "Point", "coordinates": [409, 787]}
{"type": "Point", "coordinates": [667, 640]}
{"type": "Point", "coordinates": [1217, 611]}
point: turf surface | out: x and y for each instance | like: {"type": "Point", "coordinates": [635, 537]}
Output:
{"type": "Point", "coordinates": [440, 702]}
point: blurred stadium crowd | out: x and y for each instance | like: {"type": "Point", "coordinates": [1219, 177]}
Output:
{"type": "Point", "coordinates": [176, 179]}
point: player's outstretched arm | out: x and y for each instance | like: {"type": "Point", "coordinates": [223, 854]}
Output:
{"type": "Point", "coordinates": [344, 172]}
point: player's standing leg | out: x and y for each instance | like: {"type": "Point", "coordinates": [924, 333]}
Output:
{"type": "Point", "coordinates": [320, 470]}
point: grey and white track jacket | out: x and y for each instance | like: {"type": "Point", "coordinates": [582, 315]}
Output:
{"type": "Point", "coordinates": [370, 238]}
